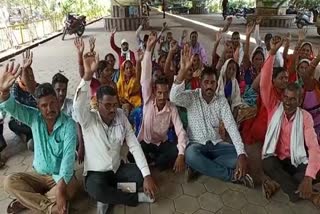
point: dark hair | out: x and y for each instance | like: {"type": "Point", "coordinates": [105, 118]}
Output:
{"type": "Point", "coordinates": [109, 54]}
{"type": "Point", "coordinates": [257, 51]}
{"type": "Point", "coordinates": [277, 71]}
{"type": "Point", "coordinates": [145, 38]}
{"type": "Point", "coordinates": [268, 36]}
{"type": "Point", "coordinates": [193, 32]}
{"type": "Point", "coordinates": [294, 87]}
{"type": "Point", "coordinates": [238, 74]}
{"type": "Point", "coordinates": [162, 80]}
{"type": "Point", "coordinates": [208, 71]}
{"type": "Point", "coordinates": [59, 78]}
{"type": "Point", "coordinates": [105, 90]}
{"type": "Point", "coordinates": [169, 32]}
{"type": "Point", "coordinates": [102, 64]}
{"type": "Point", "coordinates": [235, 33]}
{"type": "Point", "coordinates": [306, 44]}
{"type": "Point", "coordinates": [196, 54]}
{"type": "Point", "coordinates": [162, 55]}
{"type": "Point", "coordinates": [43, 90]}
{"type": "Point", "coordinates": [155, 66]}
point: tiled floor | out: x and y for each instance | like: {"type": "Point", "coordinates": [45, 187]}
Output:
{"type": "Point", "coordinates": [203, 196]}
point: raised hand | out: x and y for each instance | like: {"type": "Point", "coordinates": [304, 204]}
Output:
{"type": "Point", "coordinates": [219, 35]}
{"type": "Point", "coordinates": [144, 22]}
{"type": "Point", "coordinates": [229, 20]}
{"type": "Point", "coordinates": [184, 33]}
{"type": "Point", "coordinates": [287, 39]}
{"type": "Point", "coordinates": [79, 44]}
{"type": "Point", "coordinates": [258, 20]}
{"type": "Point", "coordinates": [27, 75]}
{"type": "Point", "coordinates": [114, 30]}
{"type": "Point", "coordinates": [27, 58]}
{"type": "Point", "coordinates": [250, 28]}
{"type": "Point", "coordinates": [152, 40]}
{"type": "Point", "coordinates": [92, 43]}
{"type": "Point", "coordinates": [140, 55]}
{"type": "Point", "coordinates": [8, 76]}
{"type": "Point", "coordinates": [302, 34]}
{"type": "Point", "coordinates": [174, 46]}
{"type": "Point", "coordinates": [90, 61]}
{"type": "Point", "coordinates": [164, 25]}
{"type": "Point", "coordinates": [186, 58]}
{"type": "Point", "coordinates": [275, 43]}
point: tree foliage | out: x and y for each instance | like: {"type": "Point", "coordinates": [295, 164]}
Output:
{"type": "Point", "coordinates": [305, 3]}
{"type": "Point", "coordinates": [50, 8]}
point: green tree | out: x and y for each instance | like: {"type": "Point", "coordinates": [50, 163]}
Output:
{"type": "Point", "coordinates": [305, 3]}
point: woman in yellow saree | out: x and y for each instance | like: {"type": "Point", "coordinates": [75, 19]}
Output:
{"type": "Point", "coordinates": [129, 89]}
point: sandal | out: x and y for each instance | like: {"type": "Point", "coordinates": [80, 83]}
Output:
{"type": "Point", "coordinates": [315, 199]}
{"type": "Point", "coordinates": [15, 207]}
{"type": "Point", "coordinates": [269, 188]}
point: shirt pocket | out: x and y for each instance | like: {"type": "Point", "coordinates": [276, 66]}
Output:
{"type": "Point", "coordinates": [56, 144]}
{"type": "Point", "coordinates": [116, 137]}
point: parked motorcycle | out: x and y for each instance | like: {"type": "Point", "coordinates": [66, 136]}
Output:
{"type": "Point", "coordinates": [315, 11]}
{"type": "Point", "coordinates": [304, 18]}
{"type": "Point", "coordinates": [229, 12]}
{"type": "Point", "coordinates": [291, 10]}
{"type": "Point", "coordinates": [74, 25]}
{"type": "Point", "coordinates": [243, 12]}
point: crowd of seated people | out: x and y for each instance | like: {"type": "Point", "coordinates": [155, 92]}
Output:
{"type": "Point", "coordinates": [250, 118]}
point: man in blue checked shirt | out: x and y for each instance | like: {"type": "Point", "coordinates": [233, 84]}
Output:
{"type": "Point", "coordinates": [52, 184]}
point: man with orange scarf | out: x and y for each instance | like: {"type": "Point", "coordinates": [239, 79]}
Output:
{"type": "Point", "coordinates": [290, 153]}
{"type": "Point", "coordinates": [124, 53]}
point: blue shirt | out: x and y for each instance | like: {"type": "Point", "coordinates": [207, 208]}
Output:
{"type": "Point", "coordinates": [22, 97]}
{"type": "Point", "coordinates": [54, 154]}
{"type": "Point", "coordinates": [115, 75]}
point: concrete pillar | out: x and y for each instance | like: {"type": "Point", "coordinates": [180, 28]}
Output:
{"type": "Point", "coordinates": [271, 7]}
{"type": "Point", "coordinates": [273, 13]}
{"type": "Point", "coordinates": [125, 15]}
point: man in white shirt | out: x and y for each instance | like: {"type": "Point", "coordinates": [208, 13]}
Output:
{"type": "Point", "coordinates": [104, 131]}
{"type": "Point", "coordinates": [235, 38]}
{"type": "Point", "coordinates": [279, 62]}
{"type": "Point", "coordinates": [60, 85]}
{"type": "Point", "coordinates": [207, 153]}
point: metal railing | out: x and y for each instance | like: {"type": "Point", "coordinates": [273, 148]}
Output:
{"type": "Point", "coordinates": [16, 35]}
